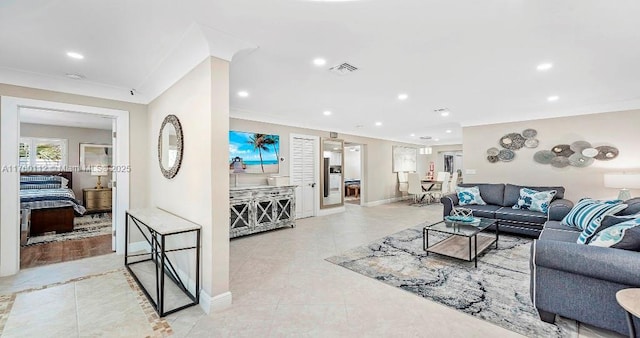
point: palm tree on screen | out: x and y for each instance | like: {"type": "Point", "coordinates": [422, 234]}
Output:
{"type": "Point", "coordinates": [258, 143]}
{"type": "Point", "coordinates": [273, 141]}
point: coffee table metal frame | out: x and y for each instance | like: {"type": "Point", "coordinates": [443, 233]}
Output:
{"type": "Point", "coordinates": [458, 230]}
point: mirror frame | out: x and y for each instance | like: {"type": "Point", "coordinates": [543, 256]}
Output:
{"type": "Point", "coordinates": [322, 150]}
{"type": "Point", "coordinates": [173, 171]}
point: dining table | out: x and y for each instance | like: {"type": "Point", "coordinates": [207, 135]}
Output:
{"type": "Point", "coordinates": [427, 185]}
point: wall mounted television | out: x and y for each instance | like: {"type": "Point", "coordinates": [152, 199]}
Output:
{"type": "Point", "coordinates": [253, 153]}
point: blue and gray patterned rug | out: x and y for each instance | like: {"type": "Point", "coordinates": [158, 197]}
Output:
{"type": "Point", "coordinates": [497, 291]}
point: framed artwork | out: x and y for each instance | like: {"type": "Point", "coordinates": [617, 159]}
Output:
{"type": "Point", "coordinates": [95, 155]}
{"type": "Point", "coordinates": [404, 159]}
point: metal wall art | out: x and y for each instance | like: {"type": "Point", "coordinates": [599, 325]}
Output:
{"type": "Point", "coordinates": [510, 143]}
{"type": "Point", "coordinates": [578, 154]}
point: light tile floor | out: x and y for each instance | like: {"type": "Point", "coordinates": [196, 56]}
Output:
{"type": "Point", "coordinates": [282, 286]}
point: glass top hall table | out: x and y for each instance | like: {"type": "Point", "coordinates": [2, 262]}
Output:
{"type": "Point", "coordinates": [465, 242]}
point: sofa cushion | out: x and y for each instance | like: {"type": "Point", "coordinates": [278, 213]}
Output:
{"type": "Point", "coordinates": [512, 193]}
{"type": "Point", "coordinates": [587, 211]}
{"type": "Point", "coordinates": [486, 211]}
{"type": "Point", "coordinates": [557, 225]}
{"type": "Point", "coordinates": [550, 234]}
{"type": "Point", "coordinates": [469, 196]}
{"type": "Point", "coordinates": [491, 193]}
{"type": "Point", "coordinates": [526, 216]}
{"type": "Point", "coordinates": [633, 207]}
{"type": "Point", "coordinates": [535, 200]}
{"type": "Point", "coordinates": [625, 235]}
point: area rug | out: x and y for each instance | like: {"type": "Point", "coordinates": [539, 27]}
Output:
{"type": "Point", "coordinates": [497, 291]}
{"type": "Point", "coordinates": [83, 227]}
{"type": "Point", "coordinates": [144, 321]}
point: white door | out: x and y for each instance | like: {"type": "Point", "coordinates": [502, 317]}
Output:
{"type": "Point", "coordinates": [303, 174]}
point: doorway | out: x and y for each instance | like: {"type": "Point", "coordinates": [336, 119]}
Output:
{"type": "Point", "coordinates": [353, 173]}
{"type": "Point", "coordinates": [10, 204]}
{"type": "Point", "coordinates": [303, 171]}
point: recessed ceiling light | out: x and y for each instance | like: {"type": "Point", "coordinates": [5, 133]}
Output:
{"type": "Point", "coordinates": [403, 96]}
{"type": "Point", "coordinates": [326, 113]}
{"type": "Point", "coordinates": [553, 98]}
{"type": "Point", "coordinates": [436, 139]}
{"type": "Point", "coordinates": [448, 131]}
{"type": "Point", "coordinates": [544, 66]}
{"type": "Point", "coordinates": [444, 113]}
{"type": "Point", "coordinates": [75, 55]}
{"type": "Point", "coordinates": [74, 76]}
{"type": "Point", "coordinates": [413, 135]}
{"type": "Point", "coordinates": [243, 93]}
{"type": "Point", "coordinates": [378, 124]}
{"type": "Point", "coordinates": [319, 62]}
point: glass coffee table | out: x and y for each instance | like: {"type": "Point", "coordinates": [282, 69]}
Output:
{"type": "Point", "coordinates": [465, 242]}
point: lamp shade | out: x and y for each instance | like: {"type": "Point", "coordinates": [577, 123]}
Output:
{"type": "Point", "coordinates": [622, 181]}
{"type": "Point", "coordinates": [99, 171]}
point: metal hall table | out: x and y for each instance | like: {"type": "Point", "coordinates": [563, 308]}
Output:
{"type": "Point", "coordinates": [156, 226]}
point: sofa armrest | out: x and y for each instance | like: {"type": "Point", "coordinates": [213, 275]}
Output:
{"type": "Point", "coordinates": [449, 202]}
{"type": "Point", "coordinates": [614, 265]}
{"type": "Point", "coordinates": [559, 208]}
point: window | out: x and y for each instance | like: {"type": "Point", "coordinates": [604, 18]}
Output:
{"type": "Point", "coordinates": [43, 153]}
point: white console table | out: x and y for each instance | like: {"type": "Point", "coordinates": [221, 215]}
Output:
{"type": "Point", "coordinates": [155, 225]}
{"type": "Point", "coordinates": [261, 208]}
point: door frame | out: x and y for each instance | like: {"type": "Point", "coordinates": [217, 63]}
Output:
{"type": "Point", "coordinates": [316, 166]}
{"type": "Point", "coordinates": [9, 179]}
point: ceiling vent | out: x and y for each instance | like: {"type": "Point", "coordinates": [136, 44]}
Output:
{"type": "Point", "coordinates": [425, 137]}
{"type": "Point", "coordinates": [343, 69]}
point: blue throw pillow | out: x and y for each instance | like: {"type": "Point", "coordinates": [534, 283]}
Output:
{"type": "Point", "coordinates": [535, 200]}
{"type": "Point", "coordinates": [625, 235]}
{"type": "Point", "coordinates": [587, 211]}
{"type": "Point", "coordinates": [471, 195]}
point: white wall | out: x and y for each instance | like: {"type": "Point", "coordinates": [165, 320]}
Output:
{"type": "Point", "coordinates": [618, 129]}
{"type": "Point", "coordinates": [381, 184]}
{"type": "Point", "coordinates": [200, 101]}
{"type": "Point", "coordinates": [352, 164]}
{"type": "Point", "coordinates": [74, 137]}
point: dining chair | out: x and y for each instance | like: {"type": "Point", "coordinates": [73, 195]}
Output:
{"type": "Point", "coordinates": [415, 187]}
{"type": "Point", "coordinates": [454, 182]}
{"type": "Point", "coordinates": [403, 182]}
{"type": "Point", "coordinates": [443, 178]}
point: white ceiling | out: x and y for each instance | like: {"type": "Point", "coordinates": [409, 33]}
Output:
{"type": "Point", "coordinates": [64, 119]}
{"type": "Point", "coordinates": [477, 58]}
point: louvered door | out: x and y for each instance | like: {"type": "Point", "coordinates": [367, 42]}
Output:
{"type": "Point", "coordinates": [303, 175]}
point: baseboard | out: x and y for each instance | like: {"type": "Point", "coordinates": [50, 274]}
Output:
{"type": "Point", "coordinates": [213, 304]}
{"type": "Point", "coordinates": [385, 201]}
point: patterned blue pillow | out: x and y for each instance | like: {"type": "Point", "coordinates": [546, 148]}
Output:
{"type": "Point", "coordinates": [588, 210]}
{"type": "Point", "coordinates": [535, 200]}
{"type": "Point", "coordinates": [625, 235]}
{"type": "Point", "coordinates": [467, 196]}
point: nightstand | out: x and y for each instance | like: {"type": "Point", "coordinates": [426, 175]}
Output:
{"type": "Point", "coordinates": [97, 200]}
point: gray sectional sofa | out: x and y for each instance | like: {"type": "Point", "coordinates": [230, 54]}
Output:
{"type": "Point", "coordinates": [500, 199]}
{"type": "Point", "coordinates": [579, 281]}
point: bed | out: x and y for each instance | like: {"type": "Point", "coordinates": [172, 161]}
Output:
{"type": "Point", "coordinates": [47, 198]}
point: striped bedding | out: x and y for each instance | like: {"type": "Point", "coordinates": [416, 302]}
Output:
{"type": "Point", "coordinates": [50, 198]}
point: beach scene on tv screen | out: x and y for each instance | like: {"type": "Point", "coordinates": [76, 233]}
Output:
{"type": "Point", "coordinates": [253, 153]}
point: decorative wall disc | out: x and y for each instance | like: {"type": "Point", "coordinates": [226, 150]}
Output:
{"type": "Point", "coordinates": [531, 143]}
{"type": "Point", "coordinates": [506, 155]}
{"type": "Point", "coordinates": [579, 146]}
{"type": "Point", "coordinates": [606, 153]}
{"type": "Point", "coordinates": [590, 152]}
{"type": "Point", "coordinates": [562, 150]}
{"type": "Point", "coordinates": [529, 133]}
{"type": "Point", "coordinates": [544, 156]}
{"type": "Point", "coordinates": [513, 141]}
{"type": "Point", "coordinates": [492, 159]}
{"type": "Point", "coordinates": [493, 151]}
{"type": "Point", "coordinates": [580, 161]}
{"type": "Point", "coordinates": [560, 162]}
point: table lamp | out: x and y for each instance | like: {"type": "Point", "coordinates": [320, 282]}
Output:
{"type": "Point", "coordinates": [624, 182]}
{"type": "Point", "coordinates": [99, 171]}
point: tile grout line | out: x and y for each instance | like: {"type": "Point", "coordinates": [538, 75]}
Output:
{"type": "Point", "coordinates": [75, 294]}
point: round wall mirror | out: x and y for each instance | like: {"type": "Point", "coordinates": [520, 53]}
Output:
{"type": "Point", "coordinates": [170, 146]}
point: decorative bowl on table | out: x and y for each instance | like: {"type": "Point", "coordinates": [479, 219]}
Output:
{"type": "Point", "coordinates": [463, 215]}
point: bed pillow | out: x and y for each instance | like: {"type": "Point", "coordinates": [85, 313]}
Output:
{"type": "Point", "coordinates": [40, 182]}
{"type": "Point", "coordinates": [588, 210]}
{"type": "Point", "coordinates": [64, 183]}
{"type": "Point", "coordinates": [468, 196]}
{"type": "Point", "coordinates": [535, 200]}
{"type": "Point", "coordinates": [625, 235]}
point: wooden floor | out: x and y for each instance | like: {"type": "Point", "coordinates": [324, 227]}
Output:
{"type": "Point", "coordinates": [56, 252]}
